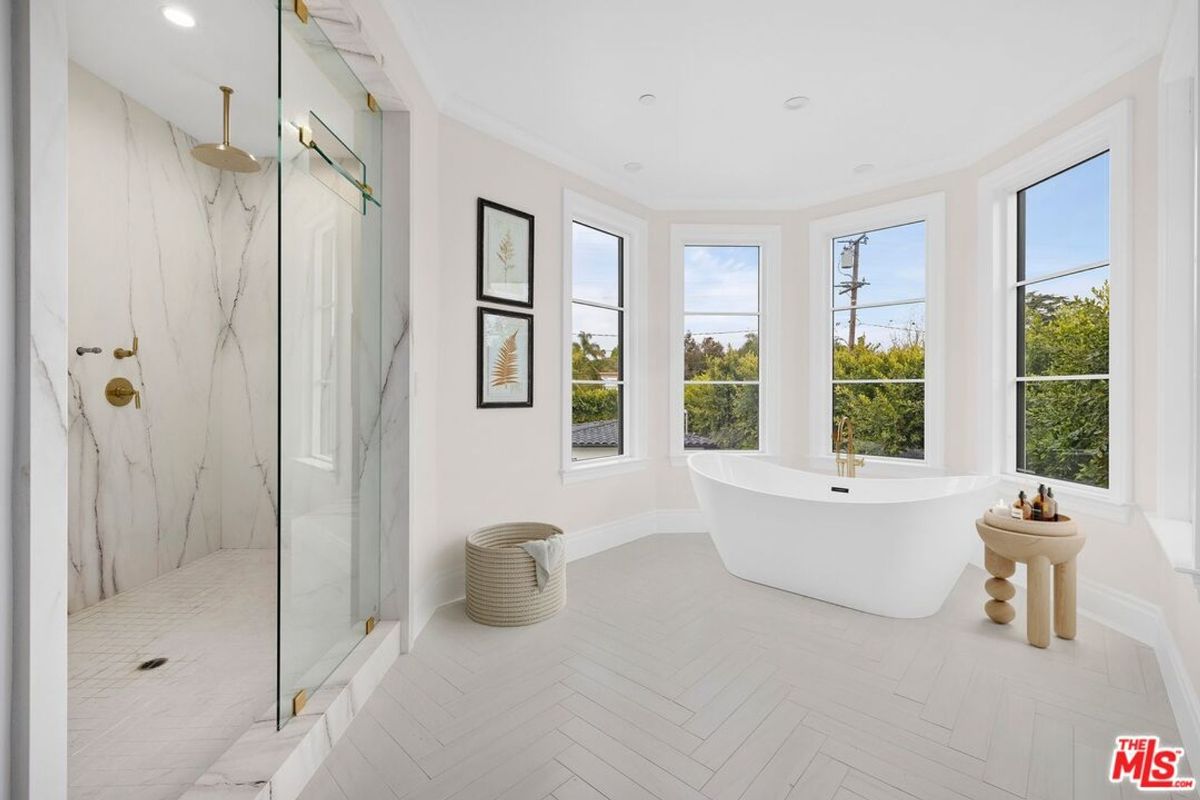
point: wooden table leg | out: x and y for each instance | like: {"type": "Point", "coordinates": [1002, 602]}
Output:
{"type": "Point", "coordinates": [998, 609]}
{"type": "Point", "coordinates": [1037, 599]}
{"type": "Point", "coordinates": [1065, 576]}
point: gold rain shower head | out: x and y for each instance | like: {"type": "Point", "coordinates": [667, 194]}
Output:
{"type": "Point", "coordinates": [224, 155]}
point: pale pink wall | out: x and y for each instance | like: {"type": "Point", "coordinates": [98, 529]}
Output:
{"type": "Point", "coordinates": [498, 465]}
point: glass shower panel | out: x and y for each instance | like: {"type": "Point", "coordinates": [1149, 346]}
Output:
{"type": "Point", "coordinates": [330, 357]}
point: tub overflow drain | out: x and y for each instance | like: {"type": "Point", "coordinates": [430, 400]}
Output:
{"type": "Point", "coordinates": [153, 663]}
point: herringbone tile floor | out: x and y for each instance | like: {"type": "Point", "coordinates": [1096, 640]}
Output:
{"type": "Point", "coordinates": [666, 678]}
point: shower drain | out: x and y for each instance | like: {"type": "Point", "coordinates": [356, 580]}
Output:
{"type": "Point", "coordinates": [153, 663]}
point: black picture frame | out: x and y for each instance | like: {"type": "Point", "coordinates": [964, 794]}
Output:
{"type": "Point", "coordinates": [481, 255]}
{"type": "Point", "coordinates": [481, 371]}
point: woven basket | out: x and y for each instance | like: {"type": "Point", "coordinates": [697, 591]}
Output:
{"type": "Point", "coordinates": [502, 578]}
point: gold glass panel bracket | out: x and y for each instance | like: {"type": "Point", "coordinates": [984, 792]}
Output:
{"type": "Point", "coordinates": [335, 165]}
{"type": "Point", "coordinates": [301, 9]}
{"type": "Point", "coordinates": [120, 391]}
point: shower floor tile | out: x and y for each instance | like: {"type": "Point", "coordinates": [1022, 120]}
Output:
{"type": "Point", "coordinates": [148, 735]}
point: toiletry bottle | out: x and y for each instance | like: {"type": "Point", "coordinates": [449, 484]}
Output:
{"type": "Point", "coordinates": [1050, 509]}
{"type": "Point", "coordinates": [1039, 502]}
{"type": "Point", "coordinates": [1026, 507]}
{"type": "Point", "coordinates": [1018, 507]}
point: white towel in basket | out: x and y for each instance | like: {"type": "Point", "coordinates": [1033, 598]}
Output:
{"type": "Point", "coordinates": [547, 554]}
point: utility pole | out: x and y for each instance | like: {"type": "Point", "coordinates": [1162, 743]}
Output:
{"type": "Point", "coordinates": [850, 258]}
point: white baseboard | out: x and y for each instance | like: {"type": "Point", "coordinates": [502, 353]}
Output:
{"type": "Point", "coordinates": [448, 586]}
{"type": "Point", "coordinates": [1143, 621]}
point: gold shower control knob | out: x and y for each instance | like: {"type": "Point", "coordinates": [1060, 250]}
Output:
{"type": "Point", "coordinates": [120, 391]}
{"type": "Point", "coordinates": [121, 352]}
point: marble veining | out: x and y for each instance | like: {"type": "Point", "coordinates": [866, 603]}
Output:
{"type": "Point", "coordinates": [181, 256]}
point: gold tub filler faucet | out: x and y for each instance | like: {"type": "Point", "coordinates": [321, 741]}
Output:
{"type": "Point", "coordinates": [847, 462]}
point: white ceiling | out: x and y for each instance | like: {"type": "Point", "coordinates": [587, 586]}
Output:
{"type": "Point", "coordinates": [913, 87]}
{"type": "Point", "coordinates": [175, 71]}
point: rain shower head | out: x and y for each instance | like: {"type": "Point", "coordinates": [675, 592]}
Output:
{"type": "Point", "coordinates": [224, 155]}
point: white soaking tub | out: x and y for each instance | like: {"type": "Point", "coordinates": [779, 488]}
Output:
{"type": "Point", "coordinates": [890, 546]}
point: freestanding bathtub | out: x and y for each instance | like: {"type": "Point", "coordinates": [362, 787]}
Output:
{"type": "Point", "coordinates": [891, 546]}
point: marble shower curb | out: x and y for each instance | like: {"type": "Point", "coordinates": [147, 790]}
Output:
{"type": "Point", "coordinates": [266, 764]}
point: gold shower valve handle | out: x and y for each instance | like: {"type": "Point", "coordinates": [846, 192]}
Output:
{"type": "Point", "coordinates": [120, 391]}
{"type": "Point", "coordinates": [121, 352]}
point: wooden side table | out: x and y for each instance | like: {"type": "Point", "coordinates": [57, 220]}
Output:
{"type": "Point", "coordinates": [1040, 555]}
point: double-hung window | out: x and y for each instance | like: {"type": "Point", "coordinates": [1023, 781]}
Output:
{"type": "Point", "coordinates": [1054, 338]}
{"type": "Point", "coordinates": [1062, 289]}
{"type": "Point", "coordinates": [603, 254]}
{"type": "Point", "coordinates": [876, 333]}
{"type": "Point", "coordinates": [597, 343]}
{"type": "Point", "coordinates": [724, 300]}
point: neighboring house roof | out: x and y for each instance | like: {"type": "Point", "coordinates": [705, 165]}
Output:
{"type": "Point", "coordinates": [604, 433]}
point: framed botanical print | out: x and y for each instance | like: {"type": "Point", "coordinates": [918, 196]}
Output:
{"type": "Point", "coordinates": [505, 360]}
{"type": "Point", "coordinates": [505, 255]}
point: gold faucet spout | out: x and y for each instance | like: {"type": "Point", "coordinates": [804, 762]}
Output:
{"type": "Point", "coordinates": [847, 462]}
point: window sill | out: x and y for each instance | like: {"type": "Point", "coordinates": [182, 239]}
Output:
{"type": "Point", "coordinates": [1076, 499]}
{"type": "Point", "coordinates": [1178, 542]}
{"type": "Point", "coordinates": [602, 469]}
{"type": "Point", "coordinates": [681, 459]}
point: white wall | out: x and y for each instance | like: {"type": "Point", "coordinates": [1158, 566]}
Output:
{"type": "Point", "coordinates": [7, 345]}
{"type": "Point", "coordinates": [39, 710]}
{"type": "Point", "coordinates": [499, 465]}
{"type": "Point", "coordinates": [182, 256]}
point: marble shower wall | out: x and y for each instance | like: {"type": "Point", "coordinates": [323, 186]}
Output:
{"type": "Point", "coordinates": [182, 256]}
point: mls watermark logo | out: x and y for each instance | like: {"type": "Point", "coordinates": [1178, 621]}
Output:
{"type": "Point", "coordinates": [1148, 766]}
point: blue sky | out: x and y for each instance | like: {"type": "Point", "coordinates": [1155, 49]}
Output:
{"type": "Point", "coordinates": [1066, 226]}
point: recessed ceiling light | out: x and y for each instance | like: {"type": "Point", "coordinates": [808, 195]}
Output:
{"type": "Point", "coordinates": [633, 166]}
{"type": "Point", "coordinates": [178, 16]}
{"type": "Point", "coordinates": [647, 99]}
{"type": "Point", "coordinates": [795, 103]}
{"type": "Point", "coordinates": [863, 169]}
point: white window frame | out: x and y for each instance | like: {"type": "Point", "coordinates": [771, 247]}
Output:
{"type": "Point", "coordinates": [997, 226]}
{"type": "Point", "coordinates": [633, 233]}
{"type": "Point", "coordinates": [930, 209]}
{"type": "Point", "coordinates": [769, 240]}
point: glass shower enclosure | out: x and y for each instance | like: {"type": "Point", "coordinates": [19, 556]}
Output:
{"type": "Point", "coordinates": [330, 142]}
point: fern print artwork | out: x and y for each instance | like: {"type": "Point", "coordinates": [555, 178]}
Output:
{"type": "Point", "coordinates": [504, 370]}
{"type": "Point", "coordinates": [505, 255]}
{"type": "Point", "coordinates": [505, 359]}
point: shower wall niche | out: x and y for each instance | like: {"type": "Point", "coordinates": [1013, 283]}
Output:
{"type": "Point", "coordinates": [183, 257]}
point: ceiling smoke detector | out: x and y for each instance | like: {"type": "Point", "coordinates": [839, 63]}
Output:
{"type": "Point", "coordinates": [863, 169]}
{"type": "Point", "coordinates": [633, 166]}
{"type": "Point", "coordinates": [795, 103]}
{"type": "Point", "coordinates": [647, 99]}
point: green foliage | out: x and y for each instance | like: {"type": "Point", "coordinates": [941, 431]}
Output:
{"type": "Point", "coordinates": [725, 414]}
{"type": "Point", "coordinates": [590, 362]}
{"type": "Point", "coordinates": [889, 418]}
{"type": "Point", "coordinates": [1066, 422]}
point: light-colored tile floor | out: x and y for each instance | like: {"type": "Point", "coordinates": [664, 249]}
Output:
{"type": "Point", "coordinates": [665, 677]}
{"type": "Point", "coordinates": [147, 735]}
